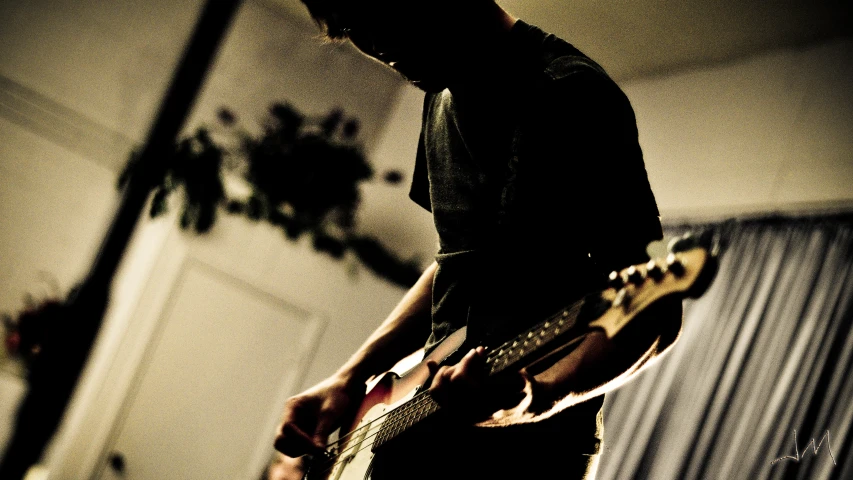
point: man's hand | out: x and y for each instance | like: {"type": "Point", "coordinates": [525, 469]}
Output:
{"type": "Point", "coordinates": [465, 391]}
{"type": "Point", "coordinates": [311, 416]}
{"type": "Point", "coordinates": [285, 468]}
{"type": "Point", "coordinates": [596, 365]}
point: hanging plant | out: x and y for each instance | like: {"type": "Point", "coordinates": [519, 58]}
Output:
{"type": "Point", "coordinates": [25, 334]}
{"type": "Point", "coordinates": [304, 175]}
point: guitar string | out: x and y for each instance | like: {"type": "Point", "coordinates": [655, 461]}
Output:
{"type": "Point", "coordinates": [368, 445]}
{"type": "Point", "coordinates": [493, 355]}
{"type": "Point", "coordinates": [534, 332]}
{"type": "Point", "coordinates": [419, 397]}
{"type": "Point", "coordinates": [356, 430]}
{"type": "Point", "coordinates": [341, 454]}
{"type": "Point", "coordinates": [566, 312]}
{"type": "Point", "coordinates": [364, 445]}
{"type": "Point", "coordinates": [394, 410]}
{"type": "Point", "coordinates": [417, 400]}
{"type": "Point", "coordinates": [408, 404]}
{"type": "Point", "coordinates": [496, 352]}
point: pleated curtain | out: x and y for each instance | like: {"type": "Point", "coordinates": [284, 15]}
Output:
{"type": "Point", "coordinates": [765, 353]}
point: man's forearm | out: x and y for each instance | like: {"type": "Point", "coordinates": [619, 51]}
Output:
{"type": "Point", "coordinates": [599, 365]}
{"type": "Point", "coordinates": [404, 331]}
{"type": "Point", "coordinates": [596, 366]}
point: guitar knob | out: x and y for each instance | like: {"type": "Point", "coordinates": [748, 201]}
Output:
{"type": "Point", "coordinates": [635, 275]}
{"type": "Point", "coordinates": [623, 299]}
{"type": "Point", "coordinates": [674, 265]}
{"type": "Point", "coordinates": [117, 462]}
{"type": "Point", "coordinates": [654, 270]}
{"type": "Point", "coordinates": [683, 243]}
{"type": "Point", "coordinates": [615, 280]}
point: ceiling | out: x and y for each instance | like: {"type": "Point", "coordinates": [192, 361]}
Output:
{"type": "Point", "coordinates": [641, 38]}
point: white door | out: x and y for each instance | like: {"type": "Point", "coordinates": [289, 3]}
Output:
{"type": "Point", "coordinates": [197, 410]}
{"type": "Point", "coordinates": [205, 339]}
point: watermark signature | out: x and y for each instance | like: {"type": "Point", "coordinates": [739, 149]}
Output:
{"type": "Point", "coordinates": [815, 448]}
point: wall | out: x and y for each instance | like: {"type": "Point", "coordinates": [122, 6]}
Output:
{"type": "Point", "coordinates": [92, 99]}
{"type": "Point", "coordinates": [764, 134]}
{"type": "Point", "coordinates": [772, 132]}
{"type": "Point", "coordinates": [769, 133]}
{"type": "Point", "coordinates": [80, 82]}
{"type": "Point", "coordinates": [71, 111]}
{"type": "Point", "coordinates": [387, 210]}
{"type": "Point", "coordinates": [348, 302]}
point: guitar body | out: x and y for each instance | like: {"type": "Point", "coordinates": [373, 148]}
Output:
{"type": "Point", "coordinates": [397, 405]}
{"type": "Point", "coordinates": [355, 455]}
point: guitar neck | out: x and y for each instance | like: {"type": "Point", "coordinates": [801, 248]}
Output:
{"type": "Point", "coordinates": [687, 271]}
{"type": "Point", "coordinates": [514, 354]}
{"type": "Point", "coordinates": [558, 330]}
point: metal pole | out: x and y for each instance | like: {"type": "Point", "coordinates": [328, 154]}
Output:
{"type": "Point", "coordinates": [54, 374]}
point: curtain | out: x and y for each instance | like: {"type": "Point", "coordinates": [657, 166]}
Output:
{"type": "Point", "coordinates": [767, 351]}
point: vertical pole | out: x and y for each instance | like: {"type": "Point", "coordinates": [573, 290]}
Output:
{"type": "Point", "coordinates": [66, 348]}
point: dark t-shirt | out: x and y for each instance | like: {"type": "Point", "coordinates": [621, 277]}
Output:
{"type": "Point", "coordinates": [538, 189]}
{"type": "Point", "coordinates": [579, 202]}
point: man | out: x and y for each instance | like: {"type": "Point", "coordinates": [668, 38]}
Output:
{"type": "Point", "coordinates": [530, 165]}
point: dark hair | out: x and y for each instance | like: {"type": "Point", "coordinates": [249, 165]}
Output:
{"type": "Point", "coordinates": [327, 14]}
{"type": "Point", "coordinates": [331, 15]}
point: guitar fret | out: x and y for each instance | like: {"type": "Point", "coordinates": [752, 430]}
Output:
{"type": "Point", "coordinates": [404, 417]}
{"type": "Point", "coordinates": [564, 329]}
{"type": "Point", "coordinates": [499, 359]}
{"type": "Point", "coordinates": [508, 353]}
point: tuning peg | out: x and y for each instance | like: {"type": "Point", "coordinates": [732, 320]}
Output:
{"type": "Point", "coordinates": [635, 275]}
{"type": "Point", "coordinates": [623, 299]}
{"type": "Point", "coordinates": [615, 280]}
{"type": "Point", "coordinates": [682, 243]}
{"type": "Point", "coordinates": [712, 240]}
{"type": "Point", "coordinates": [654, 270]}
{"type": "Point", "coordinates": [674, 265]}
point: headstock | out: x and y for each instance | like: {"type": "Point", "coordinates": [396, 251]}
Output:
{"type": "Point", "coordinates": [686, 271]}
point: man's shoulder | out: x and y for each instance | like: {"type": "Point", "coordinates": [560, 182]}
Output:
{"type": "Point", "coordinates": [565, 66]}
{"type": "Point", "coordinates": [555, 57]}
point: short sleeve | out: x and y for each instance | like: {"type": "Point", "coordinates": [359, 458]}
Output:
{"type": "Point", "coordinates": [419, 189]}
{"type": "Point", "coordinates": [581, 168]}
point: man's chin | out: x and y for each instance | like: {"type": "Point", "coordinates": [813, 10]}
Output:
{"type": "Point", "coordinates": [427, 82]}
{"type": "Point", "coordinates": [428, 86]}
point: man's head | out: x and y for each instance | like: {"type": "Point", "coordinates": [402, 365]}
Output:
{"type": "Point", "coordinates": [429, 42]}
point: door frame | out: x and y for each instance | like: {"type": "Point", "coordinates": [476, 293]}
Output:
{"type": "Point", "coordinates": [129, 336]}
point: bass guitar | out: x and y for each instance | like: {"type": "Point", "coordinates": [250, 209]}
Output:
{"type": "Point", "coordinates": [395, 404]}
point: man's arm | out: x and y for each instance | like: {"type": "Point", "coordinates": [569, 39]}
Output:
{"type": "Point", "coordinates": [582, 162]}
{"type": "Point", "coordinates": [312, 415]}
{"type": "Point", "coordinates": [586, 136]}
{"type": "Point", "coordinates": [404, 331]}
{"type": "Point", "coordinates": [599, 365]}
{"type": "Point", "coordinates": [596, 366]}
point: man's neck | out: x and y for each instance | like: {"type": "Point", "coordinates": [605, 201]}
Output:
{"type": "Point", "coordinates": [502, 20]}
{"type": "Point", "coordinates": [487, 58]}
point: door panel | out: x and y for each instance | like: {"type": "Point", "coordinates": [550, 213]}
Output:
{"type": "Point", "coordinates": [198, 412]}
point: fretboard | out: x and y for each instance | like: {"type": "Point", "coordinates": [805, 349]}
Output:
{"type": "Point", "coordinates": [515, 353]}
{"type": "Point", "coordinates": [405, 417]}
